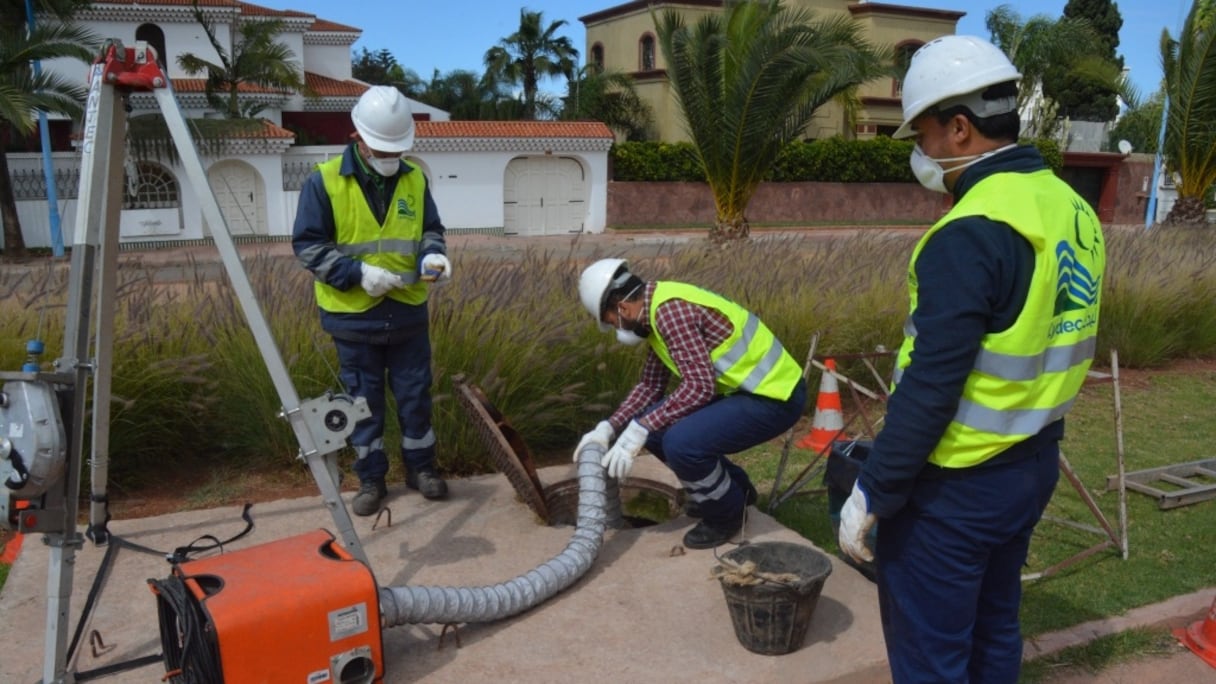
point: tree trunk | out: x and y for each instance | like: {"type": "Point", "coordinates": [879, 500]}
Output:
{"type": "Point", "coordinates": [727, 230]}
{"type": "Point", "coordinates": [1187, 211]}
{"type": "Point", "coordinates": [14, 242]}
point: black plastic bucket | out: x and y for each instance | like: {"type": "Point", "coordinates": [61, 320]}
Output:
{"type": "Point", "coordinates": [844, 465]}
{"type": "Point", "coordinates": [771, 616]}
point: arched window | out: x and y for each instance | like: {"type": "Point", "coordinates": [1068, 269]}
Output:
{"type": "Point", "coordinates": [155, 38]}
{"type": "Point", "coordinates": [646, 48]}
{"type": "Point", "coordinates": [154, 188]}
{"type": "Point", "coordinates": [597, 56]}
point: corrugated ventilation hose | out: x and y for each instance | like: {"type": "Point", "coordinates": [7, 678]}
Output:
{"type": "Point", "coordinates": [599, 506]}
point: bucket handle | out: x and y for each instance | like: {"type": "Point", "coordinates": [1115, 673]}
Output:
{"type": "Point", "coordinates": [765, 578]}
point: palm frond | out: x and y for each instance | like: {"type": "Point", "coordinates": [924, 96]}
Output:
{"type": "Point", "coordinates": [749, 80]}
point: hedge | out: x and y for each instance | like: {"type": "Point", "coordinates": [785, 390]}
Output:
{"type": "Point", "coordinates": [876, 160]}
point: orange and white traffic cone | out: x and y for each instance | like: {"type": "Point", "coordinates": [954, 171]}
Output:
{"type": "Point", "coordinates": [827, 426]}
{"type": "Point", "coordinates": [1200, 637]}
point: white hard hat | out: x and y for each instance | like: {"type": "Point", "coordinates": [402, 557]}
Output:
{"type": "Point", "coordinates": [954, 70]}
{"type": "Point", "coordinates": [597, 281]}
{"type": "Point", "coordinates": [384, 120]}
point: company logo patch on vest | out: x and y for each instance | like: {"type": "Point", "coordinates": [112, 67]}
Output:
{"type": "Point", "coordinates": [405, 209]}
{"type": "Point", "coordinates": [1077, 286]}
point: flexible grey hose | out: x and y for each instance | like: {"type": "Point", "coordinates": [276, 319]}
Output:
{"type": "Point", "coordinates": [599, 506]}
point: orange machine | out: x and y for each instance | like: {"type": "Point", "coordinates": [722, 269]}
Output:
{"type": "Point", "coordinates": [299, 609]}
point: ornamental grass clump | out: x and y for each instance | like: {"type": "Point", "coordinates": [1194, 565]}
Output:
{"type": "Point", "coordinates": [190, 382]}
{"type": "Point", "coordinates": [1157, 301]}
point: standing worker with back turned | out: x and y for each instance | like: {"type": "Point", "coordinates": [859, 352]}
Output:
{"type": "Point", "coordinates": [1004, 294]}
{"type": "Point", "coordinates": [737, 387]}
{"type": "Point", "coordinates": [369, 231]}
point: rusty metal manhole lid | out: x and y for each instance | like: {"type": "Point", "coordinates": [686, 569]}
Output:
{"type": "Point", "coordinates": [505, 445]}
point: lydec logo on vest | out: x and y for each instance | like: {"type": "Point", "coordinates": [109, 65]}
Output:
{"type": "Point", "coordinates": [405, 209]}
{"type": "Point", "coordinates": [1078, 285]}
{"type": "Point", "coordinates": [1078, 282]}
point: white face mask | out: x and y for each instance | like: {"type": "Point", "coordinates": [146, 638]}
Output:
{"type": "Point", "coordinates": [385, 166]}
{"type": "Point", "coordinates": [628, 337]}
{"type": "Point", "coordinates": [930, 173]}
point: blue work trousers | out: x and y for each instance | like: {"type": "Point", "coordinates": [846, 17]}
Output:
{"type": "Point", "coordinates": [950, 571]}
{"type": "Point", "coordinates": [695, 447]}
{"type": "Point", "coordinates": [407, 366]}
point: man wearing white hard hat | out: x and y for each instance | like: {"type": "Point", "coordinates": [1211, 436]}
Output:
{"type": "Point", "coordinates": [1001, 331]}
{"type": "Point", "coordinates": [368, 230]}
{"type": "Point", "coordinates": [736, 387]}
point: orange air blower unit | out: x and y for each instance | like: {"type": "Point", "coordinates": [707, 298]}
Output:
{"type": "Point", "coordinates": [300, 609]}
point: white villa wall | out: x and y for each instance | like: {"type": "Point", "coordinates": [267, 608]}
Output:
{"type": "Point", "coordinates": [467, 187]}
{"type": "Point", "coordinates": [327, 60]}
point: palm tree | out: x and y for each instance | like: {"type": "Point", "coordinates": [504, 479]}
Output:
{"type": "Point", "coordinates": [466, 96]}
{"type": "Point", "coordinates": [607, 96]}
{"type": "Point", "coordinates": [1063, 47]}
{"type": "Point", "coordinates": [530, 54]}
{"type": "Point", "coordinates": [749, 80]}
{"type": "Point", "coordinates": [256, 59]}
{"type": "Point", "coordinates": [22, 94]}
{"type": "Point", "coordinates": [1189, 64]}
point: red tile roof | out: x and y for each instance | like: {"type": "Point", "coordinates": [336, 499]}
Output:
{"type": "Point", "coordinates": [259, 11]}
{"type": "Point", "coordinates": [513, 129]}
{"type": "Point", "coordinates": [198, 85]}
{"type": "Point", "coordinates": [245, 7]}
{"type": "Point", "coordinates": [333, 27]}
{"type": "Point", "coordinates": [170, 3]}
{"type": "Point", "coordinates": [325, 86]}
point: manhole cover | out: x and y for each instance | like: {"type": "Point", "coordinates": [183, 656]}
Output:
{"type": "Point", "coordinates": [505, 446]}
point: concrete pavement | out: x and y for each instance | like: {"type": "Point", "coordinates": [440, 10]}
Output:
{"type": "Point", "coordinates": [647, 611]}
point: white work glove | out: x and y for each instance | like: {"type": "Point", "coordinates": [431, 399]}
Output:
{"type": "Point", "coordinates": [619, 459]}
{"type": "Point", "coordinates": [435, 267]}
{"type": "Point", "coordinates": [601, 435]}
{"type": "Point", "coordinates": [855, 523]}
{"type": "Point", "coordinates": [378, 281]}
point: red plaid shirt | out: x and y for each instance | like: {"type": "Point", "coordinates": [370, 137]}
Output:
{"type": "Point", "coordinates": [690, 332]}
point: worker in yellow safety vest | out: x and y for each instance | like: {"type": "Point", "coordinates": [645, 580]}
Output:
{"type": "Point", "coordinates": [736, 387]}
{"type": "Point", "coordinates": [368, 230]}
{"type": "Point", "coordinates": [1003, 319]}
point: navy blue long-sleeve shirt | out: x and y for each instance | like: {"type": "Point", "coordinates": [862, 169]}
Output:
{"type": "Point", "coordinates": [973, 277]}
{"type": "Point", "coordinates": [314, 226]}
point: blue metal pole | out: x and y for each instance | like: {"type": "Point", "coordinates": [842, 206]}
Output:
{"type": "Point", "coordinates": [1150, 213]}
{"type": "Point", "coordinates": [48, 167]}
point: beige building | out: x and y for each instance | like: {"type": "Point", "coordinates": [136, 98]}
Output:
{"type": "Point", "coordinates": [623, 38]}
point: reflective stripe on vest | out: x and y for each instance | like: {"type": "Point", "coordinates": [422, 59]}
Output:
{"type": "Point", "coordinates": [393, 245]}
{"type": "Point", "coordinates": [1028, 376]}
{"type": "Point", "coordinates": [751, 359]}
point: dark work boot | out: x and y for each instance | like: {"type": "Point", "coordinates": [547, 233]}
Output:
{"type": "Point", "coordinates": [693, 509]}
{"type": "Point", "coordinates": [426, 481]}
{"type": "Point", "coordinates": [371, 494]}
{"type": "Point", "coordinates": [707, 535]}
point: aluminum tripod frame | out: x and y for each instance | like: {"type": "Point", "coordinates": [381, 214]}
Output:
{"type": "Point", "coordinates": [321, 425]}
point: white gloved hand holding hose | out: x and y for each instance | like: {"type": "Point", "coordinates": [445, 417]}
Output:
{"type": "Point", "coordinates": [619, 459]}
{"type": "Point", "coordinates": [378, 281]}
{"type": "Point", "coordinates": [602, 435]}
{"type": "Point", "coordinates": [856, 520]}
{"type": "Point", "coordinates": [435, 267]}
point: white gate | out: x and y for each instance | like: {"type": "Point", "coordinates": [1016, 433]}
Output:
{"type": "Point", "coordinates": [544, 196]}
{"type": "Point", "coordinates": [241, 195]}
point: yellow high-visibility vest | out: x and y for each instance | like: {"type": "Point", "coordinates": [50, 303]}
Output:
{"type": "Point", "coordinates": [393, 246]}
{"type": "Point", "coordinates": [1028, 376]}
{"type": "Point", "coordinates": [751, 360]}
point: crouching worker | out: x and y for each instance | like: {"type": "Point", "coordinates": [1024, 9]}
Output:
{"type": "Point", "coordinates": [736, 387]}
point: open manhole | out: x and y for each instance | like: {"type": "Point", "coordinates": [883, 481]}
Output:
{"type": "Point", "coordinates": [644, 501]}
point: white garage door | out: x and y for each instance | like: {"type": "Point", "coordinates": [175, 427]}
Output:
{"type": "Point", "coordinates": [241, 195]}
{"type": "Point", "coordinates": [544, 196]}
